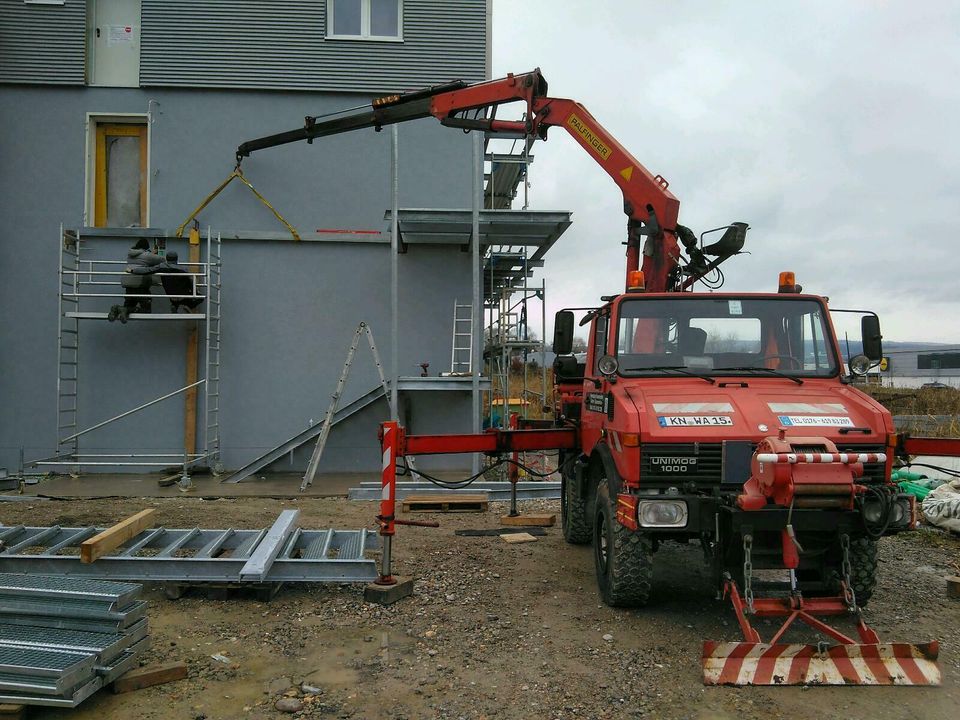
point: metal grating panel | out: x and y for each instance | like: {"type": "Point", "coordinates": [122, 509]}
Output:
{"type": "Point", "coordinates": [70, 608]}
{"type": "Point", "coordinates": [43, 43]}
{"type": "Point", "coordinates": [280, 44]}
{"type": "Point", "coordinates": [74, 698]}
{"type": "Point", "coordinates": [68, 587]}
{"type": "Point", "coordinates": [106, 646]}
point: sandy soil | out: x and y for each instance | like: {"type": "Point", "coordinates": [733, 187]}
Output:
{"type": "Point", "coordinates": [493, 631]}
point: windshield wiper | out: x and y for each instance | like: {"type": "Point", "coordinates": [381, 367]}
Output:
{"type": "Point", "coordinates": [679, 368]}
{"type": "Point", "coordinates": [771, 371]}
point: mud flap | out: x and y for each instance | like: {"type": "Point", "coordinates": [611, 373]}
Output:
{"type": "Point", "coordinates": [749, 663]}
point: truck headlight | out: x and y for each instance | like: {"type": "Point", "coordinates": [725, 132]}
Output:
{"type": "Point", "coordinates": [663, 513]}
{"type": "Point", "coordinates": [900, 512]}
{"type": "Point", "coordinates": [872, 512]}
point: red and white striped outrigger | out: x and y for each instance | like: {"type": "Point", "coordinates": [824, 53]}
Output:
{"type": "Point", "coordinates": [868, 662]}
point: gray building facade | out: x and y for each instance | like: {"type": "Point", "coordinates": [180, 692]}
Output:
{"type": "Point", "coordinates": [193, 80]}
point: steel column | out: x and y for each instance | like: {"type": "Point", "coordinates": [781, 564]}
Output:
{"type": "Point", "coordinates": [388, 495]}
{"type": "Point", "coordinates": [475, 254]}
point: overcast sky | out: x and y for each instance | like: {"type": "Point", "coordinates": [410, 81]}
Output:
{"type": "Point", "coordinates": [831, 127]}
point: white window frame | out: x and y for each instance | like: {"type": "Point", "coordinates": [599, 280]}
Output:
{"type": "Point", "coordinates": [365, 24]}
{"type": "Point", "coordinates": [93, 119]}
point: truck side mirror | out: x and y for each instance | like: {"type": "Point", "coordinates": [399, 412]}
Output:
{"type": "Point", "coordinates": [563, 333]}
{"type": "Point", "coordinates": [872, 339]}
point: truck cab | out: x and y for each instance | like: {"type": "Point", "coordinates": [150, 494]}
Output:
{"type": "Point", "coordinates": [678, 392]}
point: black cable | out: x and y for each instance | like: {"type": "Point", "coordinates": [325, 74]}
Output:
{"type": "Point", "coordinates": [886, 508]}
{"type": "Point", "coordinates": [446, 484]}
{"type": "Point", "coordinates": [404, 469]}
{"type": "Point", "coordinates": [948, 471]}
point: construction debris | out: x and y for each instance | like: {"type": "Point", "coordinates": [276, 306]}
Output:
{"type": "Point", "coordinates": [62, 639]}
{"type": "Point", "coordinates": [941, 506]}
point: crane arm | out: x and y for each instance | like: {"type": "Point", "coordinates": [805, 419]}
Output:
{"type": "Point", "coordinates": [652, 210]}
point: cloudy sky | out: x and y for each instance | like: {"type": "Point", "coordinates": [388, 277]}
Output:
{"type": "Point", "coordinates": [831, 127]}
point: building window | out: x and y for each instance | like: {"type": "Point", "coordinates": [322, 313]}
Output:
{"type": "Point", "coordinates": [938, 361]}
{"type": "Point", "coordinates": [365, 19]}
{"type": "Point", "coordinates": [120, 175]}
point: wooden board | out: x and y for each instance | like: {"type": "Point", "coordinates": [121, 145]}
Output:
{"type": "Point", "coordinates": [148, 676]}
{"type": "Point", "coordinates": [514, 538]}
{"type": "Point", "coordinates": [445, 503]}
{"type": "Point", "coordinates": [112, 538]}
{"type": "Point", "coordinates": [530, 520]}
{"type": "Point", "coordinates": [953, 587]}
{"type": "Point", "coordinates": [9, 711]}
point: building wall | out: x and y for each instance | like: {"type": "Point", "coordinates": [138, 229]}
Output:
{"type": "Point", "coordinates": [266, 44]}
{"type": "Point", "coordinates": [912, 368]}
{"type": "Point", "coordinates": [289, 309]}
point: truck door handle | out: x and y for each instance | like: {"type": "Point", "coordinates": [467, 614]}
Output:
{"type": "Point", "coordinates": [848, 430]}
{"type": "Point", "coordinates": [98, 32]}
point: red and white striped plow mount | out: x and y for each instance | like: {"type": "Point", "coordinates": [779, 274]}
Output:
{"type": "Point", "coordinates": [816, 458]}
{"type": "Point", "coordinates": [749, 663]}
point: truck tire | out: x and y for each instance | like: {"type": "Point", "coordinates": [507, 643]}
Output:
{"type": "Point", "coordinates": [863, 568]}
{"type": "Point", "coordinates": [574, 514]}
{"type": "Point", "coordinates": [623, 557]}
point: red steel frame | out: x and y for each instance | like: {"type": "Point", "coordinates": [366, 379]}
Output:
{"type": "Point", "coordinates": [940, 447]}
{"type": "Point", "coordinates": [645, 195]}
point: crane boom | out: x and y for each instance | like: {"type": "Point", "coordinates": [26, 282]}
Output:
{"type": "Point", "coordinates": [652, 210]}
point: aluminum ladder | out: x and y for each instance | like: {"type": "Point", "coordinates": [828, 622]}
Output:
{"type": "Point", "coordinates": [328, 419]}
{"type": "Point", "coordinates": [280, 553]}
{"type": "Point", "coordinates": [461, 355]}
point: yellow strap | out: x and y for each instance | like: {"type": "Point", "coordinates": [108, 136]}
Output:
{"type": "Point", "coordinates": [237, 173]}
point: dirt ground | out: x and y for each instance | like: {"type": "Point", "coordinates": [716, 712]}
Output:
{"type": "Point", "coordinates": [493, 630]}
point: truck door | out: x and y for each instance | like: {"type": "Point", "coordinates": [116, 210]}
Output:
{"type": "Point", "coordinates": [595, 400]}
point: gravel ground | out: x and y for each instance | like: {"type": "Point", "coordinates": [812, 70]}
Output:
{"type": "Point", "coordinates": [493, 631]}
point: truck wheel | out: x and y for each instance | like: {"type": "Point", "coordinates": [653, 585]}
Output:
{"type": "Point", "coordinates": [863, 568]}
{"type": "Point", "coordinates": [574, 515]}
{"type": "Point", "coordinates": [623, 557]}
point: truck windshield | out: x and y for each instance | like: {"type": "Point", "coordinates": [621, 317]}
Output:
{"type": "Point", "coordinates": [732, 336]}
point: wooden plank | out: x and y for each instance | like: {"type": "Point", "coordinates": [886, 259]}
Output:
{"type": "Point", "coordinates": [191, 397]}
{"type": "Point", "coordinates": [953, 586]}
{"type": "Point", "coordinates": [112, 538]}
{"type": "Point", "coordinates": [9, 711]}
{"type": "Point", "coordinates": [149, 676]}
{"type": "Point", "coordinates": [514, 538]}
{"type": "Point", "coordinates": [445, 503]}
{"type": "Point", "coordinates": [529, 520]}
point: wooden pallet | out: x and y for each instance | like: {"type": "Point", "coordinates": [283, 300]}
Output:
{"type": "Point", "coordinates": [262, 592]}
{"type": "Point", "coordinates": [445, 503]}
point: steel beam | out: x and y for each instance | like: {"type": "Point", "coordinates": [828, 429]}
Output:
{"type": "Point", "coordinates": [261, 560]}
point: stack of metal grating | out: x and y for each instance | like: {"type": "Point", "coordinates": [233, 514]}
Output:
{"type": "Point", "coordinates": [63, 638]}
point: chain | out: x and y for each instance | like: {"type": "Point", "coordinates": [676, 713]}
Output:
{"type": "Point", "coordinates": [748, 572]}
{"type": "Point", "coordinates": [847, 570]}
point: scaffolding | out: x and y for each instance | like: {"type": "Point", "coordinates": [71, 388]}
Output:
{"type": "Point", "coordinates": [85, 286]}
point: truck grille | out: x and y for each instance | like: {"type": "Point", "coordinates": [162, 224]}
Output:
{"type": "Point", "coordinates": [872, 472]}
{"type": "Point", "coordinates": [677, 463]}
{"type": "Point", "coordinates": [671, 464]}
